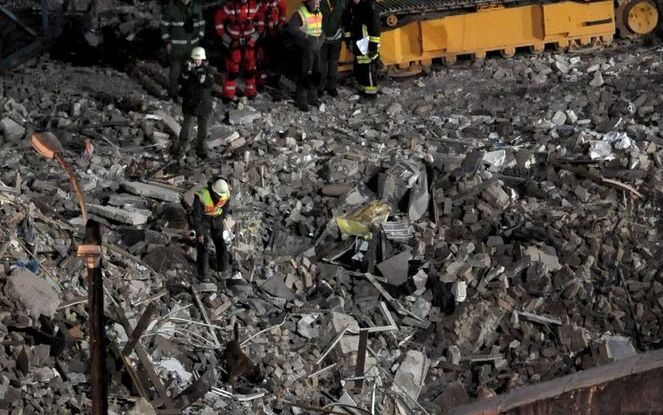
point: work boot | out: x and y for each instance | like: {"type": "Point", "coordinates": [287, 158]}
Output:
{"type": "Point", "coordinates": [201, 150]}
{"type": "Point", "coordinates": [313, 97]}
{"type": "Point", "coordinates": [301, 100]}
{"type": "Point", "coordinates": [333, 92]}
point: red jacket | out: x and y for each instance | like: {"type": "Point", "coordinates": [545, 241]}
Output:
{"type": "Point", "coordinates": [239, 19]}
{"type": "Point", "coordinates": [274, 12]}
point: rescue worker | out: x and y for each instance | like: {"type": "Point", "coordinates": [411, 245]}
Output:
{"type": "Point", "coordinates": [361, 24]}
{"type": "Point", "coordinates": [210, 207]}
{"type": "Point", "coordinates": [196, 94]}
{"type": "Point", "coordinates": [305, 27]}
{"type": "Point", "coordinates": [332, 28]}
{"type": "Point", "coordinates": [273, 14]}
{"type": "Point", "coordinates": [238, 23]}
{"type": "Point", "coordinates": [182, 29]}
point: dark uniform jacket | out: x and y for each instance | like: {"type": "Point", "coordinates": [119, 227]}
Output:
{"type": "Point", "coordinates": [182, 26]}
{"type": "Point", "coordinates": [196, 90]}
{"type": "Point", "coordinates": [361, 20]}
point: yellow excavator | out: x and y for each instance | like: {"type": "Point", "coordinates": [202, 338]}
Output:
{"type": "Point", "coordinates": [414, 32]}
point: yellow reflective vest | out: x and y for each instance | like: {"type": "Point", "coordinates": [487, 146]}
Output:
{"type": "Point", "coordinates": [209, 208]}
{"type": "Point", "coordinates": [311, 22]}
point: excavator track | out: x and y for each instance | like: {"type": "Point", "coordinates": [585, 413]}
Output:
{"type": "Point", "coordinates": [416, 32]}
{"type": "Point", "coordinates": [396, 13]}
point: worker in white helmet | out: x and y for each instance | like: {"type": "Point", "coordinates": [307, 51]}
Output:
{"type": "Point", "coordinates": [210, 207]}
{"type": "Point", "coordinates": [196, 94]}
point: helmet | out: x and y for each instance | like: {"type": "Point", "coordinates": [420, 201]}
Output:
{"type": "Point", "coordinates": [198, 53]}
{"type": "Point", "coordinates": [220, 187]}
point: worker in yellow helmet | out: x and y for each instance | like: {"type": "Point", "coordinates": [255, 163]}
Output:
{"type": "Point", "coordinates": [210, 207]}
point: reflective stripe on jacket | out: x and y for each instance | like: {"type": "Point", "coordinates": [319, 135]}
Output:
{"type": "Point", "coordinates": [311, 22]}
{"type": "Point", "coordinates": [209, 208]}
{"type": "Point", "coordinates": [182, 26]}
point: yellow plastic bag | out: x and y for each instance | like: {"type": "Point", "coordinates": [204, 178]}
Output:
{"type": "Point", "coordinates": [361, 221]}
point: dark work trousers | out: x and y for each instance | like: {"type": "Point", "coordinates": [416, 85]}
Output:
{"type": "Point", "coordinates": [176, 65]}
{"type": "Point", "coordinates": [367, 76]}
{"type": "Point", "coordinates": [187, 124]}
{"type": "Point", "coordinates": [215, 226]}
{"type": "Point", "coordinates": [309, 77]}
{"type": "Point", "coordinates": [329, 56]}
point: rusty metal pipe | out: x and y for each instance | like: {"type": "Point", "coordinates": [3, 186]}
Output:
{"type": "Point", "coordinates": [74, 184]}
{"type": "Point", "coordinates": [91, 251]}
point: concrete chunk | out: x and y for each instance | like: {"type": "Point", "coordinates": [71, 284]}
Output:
{"type": "Point", "coordinates": [33, 292]}
{"type": "Point", "coordinates": [616, 348]}
{"type": "Point", "coordinates": [128, 216]}
{"type": "Point", "coordinates": [11, 129]}
{"type": "Point", "coordinates": [170, 123]}
{"type": "Point", "coordinates": [545, 254]}
{"type": "Point", "coordinates": [395, 268]}
{"type": "Point", "coordinates": [411, 374]}
{"type": "Point", "coordinates": [242, 117]}
{"type": "Point", "coordinates": [153, 191]}
{"type": "Point", "coordinates": [496, 196]}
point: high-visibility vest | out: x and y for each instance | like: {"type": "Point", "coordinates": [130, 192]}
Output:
{"type": "Point", "coordinates": [311, 22]}
{"type": "Point", "coordinates": [209, 207]}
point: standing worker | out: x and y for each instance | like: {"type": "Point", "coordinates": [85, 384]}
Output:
{"type": "Point", "coordinates": [362, 24]}
{"type": "Point", "coordinates": [182, 29]}
{"type": "Point", "coordinates": [332, 28]}
{"type": "Point", "coordinates": [273, 14]}
{"type": "Point", "coordinates": [305, 27]}
{"type": "Point", "coordinates": [238, 23]}
{"type": "Point", "coordinates": [210, 206]}
{"type": "Point", "coordinates": [196, 83]}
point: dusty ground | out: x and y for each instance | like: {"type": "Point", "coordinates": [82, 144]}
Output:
{"type": "Point", "coordinates": [540, 232]}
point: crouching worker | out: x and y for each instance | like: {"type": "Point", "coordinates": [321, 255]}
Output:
{"type": "Point", "coordinates": [196, 80]}
{"type": "Point", "coordinates": [210, 206]}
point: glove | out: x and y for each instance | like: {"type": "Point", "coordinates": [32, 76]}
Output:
{"type": "Point", "coordinates": [373, 55]}
{"type": "Point", "coordinates": [225, 39]}
{"type": "Point", "coordinates": [169, 48]}
{"type": "Point", "coordinates": [252, 40]}
{"type": "Point", "coordinates": [189, 66]}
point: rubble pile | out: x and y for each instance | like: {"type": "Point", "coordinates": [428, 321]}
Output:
{"type": "Point", "coordinates": [491, 225]}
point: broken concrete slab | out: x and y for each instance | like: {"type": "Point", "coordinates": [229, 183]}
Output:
{"type": "Point", "coordinates": [411, 373]}
{"type": "Point", "coordinates": [34, 293]}
{"type": "Point", "coordinates": [616, 348]}
{"type": "Point", "coordinates": [151, 190]}
{"type": "Point", "coordinates": [276, 287]}
{"type": "Point", "coordinates": [129, 216]}
{"type": "Point", "coordinates": [395, 269]}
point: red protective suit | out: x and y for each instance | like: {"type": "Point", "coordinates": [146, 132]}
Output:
{"type": "Point", "coordinates": [239, 25]}
{"type": "Point", "coordinates": [273, 14]}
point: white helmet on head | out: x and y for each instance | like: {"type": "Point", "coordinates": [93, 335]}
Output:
{"type": "Point", "coordinates": [198, 53]}
{"type": "Point", "coordinates": [220, 187]}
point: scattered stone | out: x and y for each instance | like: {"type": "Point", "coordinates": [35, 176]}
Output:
{"type": "Point", "coordinates": [242, 117]}
{"type": "Point", "coordinates": [11, 129]}
{"type": "Point", "coordinates": [597, 81]}
{"type": "Point", "coordinates": [33, 293]}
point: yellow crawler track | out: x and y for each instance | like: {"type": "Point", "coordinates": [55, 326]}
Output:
{"type": "Point", "coordinates": [410, 48]}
